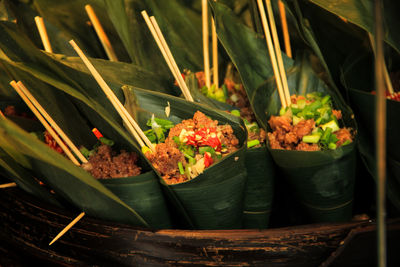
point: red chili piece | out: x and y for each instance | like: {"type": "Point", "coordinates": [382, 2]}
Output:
{"type": "Point", "coordinates": [205, 137]}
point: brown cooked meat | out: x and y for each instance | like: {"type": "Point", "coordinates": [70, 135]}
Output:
{"type": "Point", "coordinates": [167, 155]}
{"type": "Point", "coordinates": [286, 136]}
{"type": "Point", "coordinates": [105, 164]}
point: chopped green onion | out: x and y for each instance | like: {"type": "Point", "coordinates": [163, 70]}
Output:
{"type": "Point", "coordinates": [192, 161]}
{"type": "Point", "coordinates": [106, 141]}
{"type": "Point", "coordinates": [204, 149]}
{"type": "Point", "coordinates": [315, 105]}
{"type": "Point", "coordinates": [282, 111]}
{"type": "Point", "coordinates": [326, 135]}
{"type": "Point", "coordinates": [253, 143]}
{"type": "Point", "coordinates": [332, 146]}
{"type": "Point", "coordinates": [85, 152]}
{"type": "Point", "coordinates": [301, 103]}
{"type": "Point", "coordinates": [332, 124]}
{"type": "Point", "coordinates": [296, 120]}
{"type": "Point", "coordinates": [346, 143]}
{"type": "Point", "coordinates": [325, 99]}
{"type": "Point", "coordinates": [145, 149]}
{"type": "Point", "coordinates": [235, 112]}
{"type": "Point", "coordinates": [180, 166]}
{"type": "Point", "coordinates": [234, 98]}
{"type": "Point", "coordinates": [313, 139]}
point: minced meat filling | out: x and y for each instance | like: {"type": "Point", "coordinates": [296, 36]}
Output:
{"type": "Point", "coordinates": [105, 163]}
{"type": "Point", "coordinates": [308, 124]}
{"type": "Point", "coordinates": [184, 146]}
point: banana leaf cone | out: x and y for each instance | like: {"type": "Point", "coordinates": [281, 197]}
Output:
{"type": "Point", "coordinates": [258, 194]}
{"type": "Point", "coordinates": [323, 181]}
{"type": "Point", "coordinates": [259, 190]}
{"type": "Point", "coordinates": [78, 187]}
{"type": "Point", "coordinates": [359, 91]}
{"type": "Point", "coordinates": [143, 194]}
{"type": "Point", "coordinates": [213, 199]}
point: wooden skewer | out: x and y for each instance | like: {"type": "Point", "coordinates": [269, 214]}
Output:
{"type": "Point", "coordinates": [133, 127]}
{"type": "Point", "coordinates": [285, 30]}
{"type": "Point", "coordinates": [43, 34]}
{"type": "Point", "coordinates": [278, 52]}
{"type": "Point", "coordinates": [163, 52]}
{"type": "Point", "coordinates": [385, 71]}
{"type": "Point", "coordinates": [8, 185]}
{"type": "Point", "coordinates": [69, 226]}
{"type": "Point", "coordinates": [57, 128]}
{"type": "Point", "coordinates": [45, 123]}
{"type": "Point", "coordinates": [165, 46]}
{"type": "Point", "coordinates": [101, 33]}
{"type": "Point", "coordinates": [206, 53]}
{"type": "Point", "coordinates": [272, 53]}
{"type": "Point", "coordinates": [214, 52]}
{"type": "Point", "coordinates": [166, 52]}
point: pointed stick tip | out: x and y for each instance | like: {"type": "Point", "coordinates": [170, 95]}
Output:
{"type": "Point", "coordinates": [66, 228]}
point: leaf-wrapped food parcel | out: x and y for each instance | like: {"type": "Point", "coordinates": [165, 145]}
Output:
{"type": "Point", "coordinates": [323, 180]}
{"type": "Point", "coordinates": [358, 80]}
{"type": "Point", "coordinates": [259, 168]}
{"type": "Point", "coordinates": [79, 187]}
{"type": "Point", "coordinates": [213, 199]}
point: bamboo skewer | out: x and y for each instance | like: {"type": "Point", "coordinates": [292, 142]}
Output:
{"type": "Point", "coordinates": [44, 122]}
{"type": "Point", "coordinates": [184, 88]}
{"type": "Point", "coordinates": [272, 54]}
{"type": "Point", "coordinates": [101, 33]}
{"type": "Point", "coordinates": [214, 52]}
{"type": "Point", "coordinates": [385, 71]}
{"type": "Point", "coordinates": [129, 121]}
{"type": "Point", "coordinates": [285, 30]}
{"type": "Point", "coordinates": [43, 34]}
{"type": "Point", "coordinates": [8, 185]}
{"type": "Point", "coordinates": [166, 52]}
{"type": "Point", "coordinates": [60, 132]}
{"type": "Point", "coordinates": [206, 53]}
{"type": "Point", "coordinates": [69, 226]}
{"type": "Point", "coordinates": [278, 51]}
{"type": "Point", "coordinates": [133, 127]}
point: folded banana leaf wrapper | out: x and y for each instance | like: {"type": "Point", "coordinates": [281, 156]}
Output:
{"type": "Point", "coordinates": [260, 170]}
{"type": "Point", "coordinates": [213, 199]}
{"type": "Point", "coordinates": [323, 181]}
{"type": "Point", "coordinates": [358, 79]}
{"type": "Point", "coordinates": [140, 195]}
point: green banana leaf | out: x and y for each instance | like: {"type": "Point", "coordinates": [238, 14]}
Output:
{"type": "Point", "coordinates": [143, 194]}
{"type": "Point", "coordinates": [66, 20]}
{"type": "Point", "coordinates": [361, 13]}
{"type": "Point", "coordinates": [67, 180]}
{"type": "Point", "coordinates": [24, 179]}
{"type": "Point", "coordinates": [259, 167]}
{"type": "Point", "coordinates": [248, 52]}
{"type": "Point", "coordinates": [58, 106]}
{"type": "Point", "coordinates": [359, 91]}
{"type": "Point", "coordinates": [214, 199]}
{"type": "Point", "coordinates": [19, 52]}
{"type": "Point", "coordinates": [259, 190]}
{"type": "Point", "coordinates": [180, 25]}
{"type": "Point", "coordinates": [324, 180]}
{"type": "Point", "coordinates": [324, 33]}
